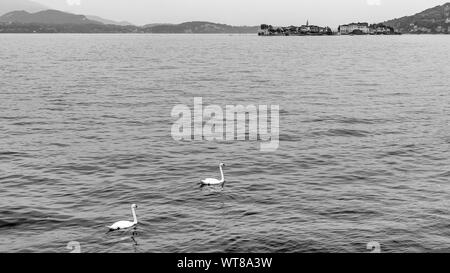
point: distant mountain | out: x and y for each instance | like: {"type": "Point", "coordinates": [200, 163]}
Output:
{"type": "Point", "coordinates": [26, 5]}
{"type": "Point", "coordinates": [66, 28]}
{"type": "Point", "coordinates": [156, 24]}
{"type": "Point", "coordinates": [434, 20]}
{"type": "Point", "coordinates": [108, 22]}
{"type": "Point", "coordinates": [54, 21]}
{"type": "Point", "coordinates": [199, 27]}
{"type": "Point", "coordinates": [47, 17]}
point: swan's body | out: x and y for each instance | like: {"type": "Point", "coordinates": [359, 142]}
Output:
{"type": "Point", "coordinates": [215, 182]}
{"type": "Point", "coordinates": [126, 224]}
{"type": "Point", "coordinates": [122, 225]}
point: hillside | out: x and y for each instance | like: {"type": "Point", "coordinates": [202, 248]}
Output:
{"type": "Point", "coordinates": [71, 28]}
{"type": "Point", "coordinates": [26, 5]}
{"type": "Point", "coordinates": [199, 27]}
{"type": "Point", "coordinates": [435, 20]}
{"type": "Point", "coordinates": [107, 21]}
{"type": "Point", "coordinates": [54, 21]}
{"type": "Point", "coordinates": [47, 17]}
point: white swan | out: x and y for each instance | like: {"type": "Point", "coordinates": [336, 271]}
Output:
{"type": "Point", "coordinates": [126, 224]}
{"type": "Point", "coordinates": [212, 181]}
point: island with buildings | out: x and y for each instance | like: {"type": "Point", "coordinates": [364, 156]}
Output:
{"type": "Point", "coordinates": [312, 30]}
{"type": "Point", "coordinates": [434, 20]}
{"type": "Point", "coordinates": [304, 30]}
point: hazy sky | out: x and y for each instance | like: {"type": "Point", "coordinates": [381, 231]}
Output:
{"type": "Point", "coordinates": [246, 12]}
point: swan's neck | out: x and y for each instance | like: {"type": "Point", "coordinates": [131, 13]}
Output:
{"type": "Point", "coordinates": [221, 172]}
{"type": "Point", "coordinates": [135, 221]}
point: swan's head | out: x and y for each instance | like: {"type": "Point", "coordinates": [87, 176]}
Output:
{"type": "Point", "coordinates": [222, 165]}
{"type": "Point", "coordinates": [134, 206]}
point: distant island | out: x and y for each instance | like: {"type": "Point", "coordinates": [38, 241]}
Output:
{"type": "Point", "coordinates": [431, 21]}
{"type": "Point", "coordinates": [304, 30]}
{"type": "Point", "coordinates": [311, 30]}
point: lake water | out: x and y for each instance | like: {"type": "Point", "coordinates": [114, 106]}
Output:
{"type": "Point", "coordinates": [86, 131]}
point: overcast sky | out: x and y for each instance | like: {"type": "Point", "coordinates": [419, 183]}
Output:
{"type": "Point", "coordinates": [246, 12]}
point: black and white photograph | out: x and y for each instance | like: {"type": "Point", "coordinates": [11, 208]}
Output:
{"type": "Point", "coordinates": [225, 126]}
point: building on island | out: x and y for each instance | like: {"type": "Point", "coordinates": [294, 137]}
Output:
{"type": "Point", "coordinates": [365, 29]}
{"type": "Point", "coordinates": [354, 28]}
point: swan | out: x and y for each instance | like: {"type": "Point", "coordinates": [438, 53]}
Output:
{"type": "Point", "coordinates": [212, 181]}
{"type": "Point", "coordinates": [126, 224]}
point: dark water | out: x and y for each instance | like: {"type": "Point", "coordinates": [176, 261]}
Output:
{"type": "Point", "coordinates": [85, 131]}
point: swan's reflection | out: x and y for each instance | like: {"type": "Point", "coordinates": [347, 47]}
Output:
{"type": "Point", "coordinates": [133, 236]}
{"type": "Point", "coordinates": [212, 189]}
{"type": "Point", "coordinates": [220, 195]}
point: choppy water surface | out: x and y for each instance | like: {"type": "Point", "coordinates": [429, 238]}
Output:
{"type": "Point", "coordinates": [85, 131]}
